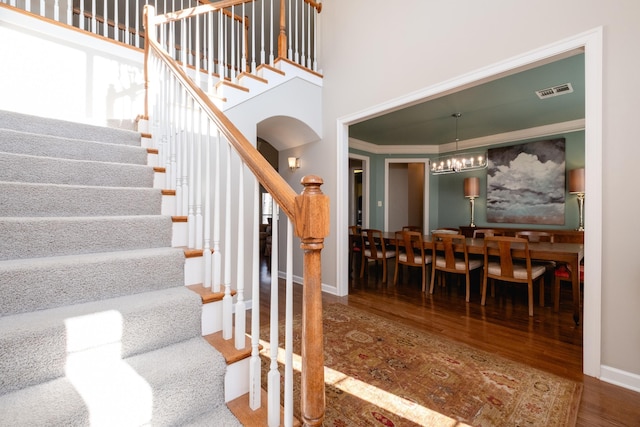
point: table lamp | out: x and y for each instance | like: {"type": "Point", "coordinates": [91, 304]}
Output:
{"type": "Point", "coordinates": [576, 186]}
{"type": "Point", "coordinates": [472, 190]}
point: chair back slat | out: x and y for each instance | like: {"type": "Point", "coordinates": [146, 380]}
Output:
{"type": "Point", "coordinates": [536, 236]}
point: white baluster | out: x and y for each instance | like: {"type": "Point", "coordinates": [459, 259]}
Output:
{"type": "Point", "coordinates": [302, 36]}
{"type": "Point", "coordinates": [307, 58]}
{"type": "Point", "coordinates": [243, 56]}
{"type": "Point", "coordinates": [56, 10]}
{"type": "Point", "coordinates": [262, 33]}
{"type": "Point", "coordinates": [137, 19]}
{"type": "Point", "coordinates": [183, 48]}
{"type": "Point", "coordinates": [94, 23]}
{"type": "Point", "coordinates": [253, 37]}
{"type": "Point", "coordinates": [316, 32]}
{"type": "Point", "coordinates": [105, 18]}
{"type": "Point", "coordinates": [240, 307]}
{"type": "Point", "coordinates": [232, 26]}
{"type": "Point", "coordinates": [255, 369]}
{"type": "Point", "coordinates": [294, 32]}
{"type": "Point", "coordinates": [127, 26]}
{"type": "Point", "coordinates": [210, 53]}
{"type": "Point", "coordinates": [198, 183]}
{"type": "Point", "coordinates": [69, 12]}
{"type": "Point", "coordinates": [217, 260]}
{"type": "Point", "coordinates": [290, 50]}
{"type": "Point", "coordinates": [272, 24]}
{"type": "Point", "coordinates": [227, 306]}
{"type": "Point", "coordinates": [42, 9]}
{"type": "Point", "coordinates": [197, 51]}
{"type": "Point", "coordinates": [206, 253]}
{"type": "Point", "coordinates": [273, 378]}
{"type": "Point", "coordinates": [116, 28]}
{"type": "Point", "coordinates": [221, 46]}
{"type": "Point", "coordinates": [191, 179]}
{"type": "Point", "coordinates": [288, 335]}
{"type": "Point", "coordinates": [177, 156]}
{"type": "Point", "coordinates": [183, 161]}
{"type": "Point", "coordinates": [27, 4]}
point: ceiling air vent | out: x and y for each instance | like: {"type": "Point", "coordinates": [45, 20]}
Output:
{"type": "Point", "coordinates": [554, 91]}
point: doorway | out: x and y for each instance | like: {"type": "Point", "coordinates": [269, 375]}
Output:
{"type": "Point", "coordinates": [358, 194]}
{"type": "Point", "coordinates": [591, 43]}
{"type": "Point", "coordinates": [406, 194]}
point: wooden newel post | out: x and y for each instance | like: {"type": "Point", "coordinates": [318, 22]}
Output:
{"type": "Point", "coordinates": [312, 226]}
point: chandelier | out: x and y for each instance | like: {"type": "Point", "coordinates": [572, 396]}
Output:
{"type": "Point", "coordinates": [458, 162]}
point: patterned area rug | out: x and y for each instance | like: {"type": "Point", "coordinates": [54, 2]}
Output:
{"type": "Point", "coordinates": [379, 373]}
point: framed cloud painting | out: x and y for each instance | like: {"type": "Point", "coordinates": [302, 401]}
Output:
{"type": "Point", "coordinates": [526, 183]}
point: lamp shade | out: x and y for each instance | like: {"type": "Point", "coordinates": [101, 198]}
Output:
{"type": "Point", "coordinates": [472, 187]}
{"type": "Point", "coordinates": [576, 181]}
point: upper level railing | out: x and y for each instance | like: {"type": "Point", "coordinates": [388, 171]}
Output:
{"type": "Point", "coordinates": [216, 173]}
{"type": "Point", "coordinates": [257, 31]}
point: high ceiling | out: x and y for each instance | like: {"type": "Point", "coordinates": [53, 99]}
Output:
{"type": "Point", "coordinates": [504, 105]}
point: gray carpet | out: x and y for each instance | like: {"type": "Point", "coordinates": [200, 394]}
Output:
{"type": "Point", "coordinates": [96, 325]}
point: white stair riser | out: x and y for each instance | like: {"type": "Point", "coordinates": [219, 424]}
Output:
{"type": "Point", "coordinates": [168, 206]}
{"type": "Point", "coordinates": [179, 237]}
{"type": "Point", "coordinates": [236, 380]}
{"type": "Point", "coordinates": [211, 317]}
{"type": "Point", "coordinates": [159, 180]}
{"type": "Point", "coordinates": [193, 271]}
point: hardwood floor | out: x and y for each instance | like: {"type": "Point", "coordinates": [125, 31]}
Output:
{"type": "Point", "coordinates": [548, 341]}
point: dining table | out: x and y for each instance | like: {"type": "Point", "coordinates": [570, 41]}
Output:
{"type": "Point", "coordinates": [570, 254]}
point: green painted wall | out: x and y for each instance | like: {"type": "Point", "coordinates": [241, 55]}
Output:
{"type": "Point", "coordinates": [447, 205]}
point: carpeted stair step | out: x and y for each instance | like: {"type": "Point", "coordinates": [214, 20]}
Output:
{"type": "Point", "coordinates": [36, 344]}
{"type": "Point", "coordinates": [35, 237]}
{"type": "Point", "coordinates": [77, 149]}
{"type": "Point", "coordinates": [42, 283]}
{"type": "Point", "coordinates": [167, 387]}
{"type": "Point", "coordinates": [61, 128]}
{"type": "Point", "coordinates": [26, 199]}
{"type": "Point", "coordinates": [48, 170]}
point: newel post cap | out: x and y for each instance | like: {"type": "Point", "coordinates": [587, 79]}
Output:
{"type": "Point", "coordinates": [312, 210]}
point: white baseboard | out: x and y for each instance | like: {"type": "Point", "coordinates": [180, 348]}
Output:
{"type": "Point", "coordinates": [620, 378]}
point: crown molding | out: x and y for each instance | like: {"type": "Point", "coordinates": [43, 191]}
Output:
{"type": "Point", "coordinates": [500, 138]}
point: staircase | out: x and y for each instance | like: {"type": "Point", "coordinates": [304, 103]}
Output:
{"type": "Point", "coordinates": [96, 325]}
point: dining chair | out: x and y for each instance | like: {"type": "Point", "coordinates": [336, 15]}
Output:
{"type": "Point", "coordinates": [563, 274]}
{"type": "Point", "coordinates": [481, 233]}
{"type": "Point", "coordinates": [506, 269]}
{"type": "Point", "coordinates": [410, 252]}
{"type": "Point", "coordinates": [535, 236]}
{"type": "Point", "coordinates": [448, 230]}
{"type": "Point", "coordinates": [450, 255]}
{"type": "Point", "coordinates": [411, 228]}
{"type": "Point", "coordinates": [355, 245]}
{"type": "Point", "coordinates": [374, 249]}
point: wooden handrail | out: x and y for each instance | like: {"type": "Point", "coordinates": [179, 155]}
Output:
{"type": "Point", "coordinates": [197, 10]}
{"type": "Point", "coordinates": [313, 4]}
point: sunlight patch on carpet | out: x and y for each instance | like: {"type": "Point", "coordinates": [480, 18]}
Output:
{"type": "Point", "coordinates": [115, 394]}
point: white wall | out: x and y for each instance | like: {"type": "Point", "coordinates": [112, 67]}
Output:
{"type": "Point", "coordinates": [374, 52]}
